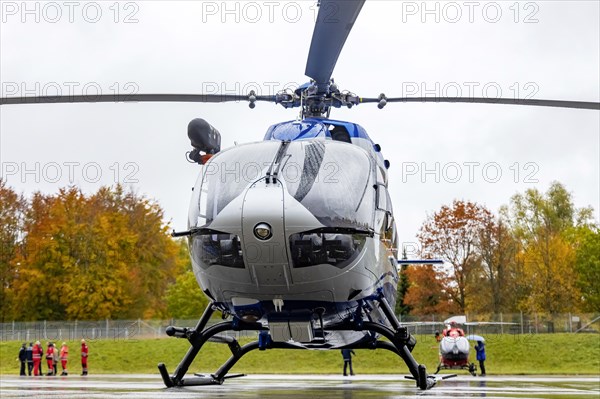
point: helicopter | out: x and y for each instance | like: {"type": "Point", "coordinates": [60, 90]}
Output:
{"type": "Point", "coordinates": [453, 343]}
{"type": "Point", "coordinates": [303, 248]}
{"type": "Point", "coordinates": [455, 348]}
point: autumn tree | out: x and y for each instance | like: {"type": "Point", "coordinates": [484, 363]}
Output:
{"type": "Point", "coordinates": [452, 234]}
{"type": "Point", "coordinates": [49, 254]}
{"type": "Point", "coordinates": [497, 273]}
{"type": "Point", "coordinates": [12, 206]}
{"type": "Point", "coordinates": [107, 255]}
{"type": "Point", "coordinates": [542, 222]}
{"type": "Point", "coordinates": [426, 293]}
{"type": "Point", "coordinates": [156, 261]}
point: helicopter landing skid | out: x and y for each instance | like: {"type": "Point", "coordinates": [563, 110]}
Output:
{"type": "Point", "coordinates": [400, 342]}
{"type": "Point", "coordinates": [471, 367]}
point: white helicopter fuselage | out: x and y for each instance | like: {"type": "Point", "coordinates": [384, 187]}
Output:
{"type": "Point", "coordinates": [329, 241]}
{"type": "Point", "coordinates": [454, 348]}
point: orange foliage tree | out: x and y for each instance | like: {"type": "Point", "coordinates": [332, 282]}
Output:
{"type": "Point", "coordinates": [426, 293]}
{"type": "Point", "coordinates": [496, 279]}
{"type": "Point", "coordinates": [452, 234]}
{"type": "Point", "coordinates": [12, 206]}
{"type": "Point", "coordinates": [107, 255]}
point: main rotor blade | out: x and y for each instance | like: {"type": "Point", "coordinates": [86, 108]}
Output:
{"type": "Point", "coordinates": [334, 22]}
{"type": "Point", "coordinates": [481, 100]}
{"type": "Point", "coordinates": [119, 98]}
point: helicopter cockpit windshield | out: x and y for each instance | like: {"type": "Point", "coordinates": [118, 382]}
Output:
{"type": "Point", "coordinates": [316, 173]}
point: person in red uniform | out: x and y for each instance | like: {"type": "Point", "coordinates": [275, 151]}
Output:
{"type": "Point", "coordinates": [64, 357]}
{"type": "Point", "coordinates": [50, 358]}
{"type": "Point", "coordinates": [84, 357]}
{"type": "Point", "coordinates": [37, 357]}
{"type": "Point", "coordinates": [454, 331]}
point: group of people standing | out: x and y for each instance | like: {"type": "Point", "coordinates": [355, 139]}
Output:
{"type": "Point", "coordinates": [31, 358]}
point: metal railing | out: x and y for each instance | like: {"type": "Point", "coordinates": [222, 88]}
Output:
{"type": "Point", "coordinates": [515, 323]}
{"type": "Point", "coordinates": [510, 323]}
{"type": "Point", "coordinates": [95, 330]}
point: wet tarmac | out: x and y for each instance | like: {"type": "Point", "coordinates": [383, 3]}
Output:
{"type": "Point", "coordinates": [299, 387]}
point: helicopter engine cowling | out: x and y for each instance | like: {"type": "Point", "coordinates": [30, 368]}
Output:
{"type": "Point", "coordinates": [204, 138]}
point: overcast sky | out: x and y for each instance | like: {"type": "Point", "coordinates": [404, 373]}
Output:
{"type": "Point", "coordinates": [438, 152]}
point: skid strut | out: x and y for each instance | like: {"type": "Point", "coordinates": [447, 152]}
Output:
{"type": "Point", "coordinates": [405, 343]}
{"type": "Point", "coordinates": [197, 338]}
{"type": "Point", "coordinates": [400, 342]}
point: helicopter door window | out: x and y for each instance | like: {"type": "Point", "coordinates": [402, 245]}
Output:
{"type": "Point", "coordinates": [389, 201]}
{"type": "Point", "coordinates": [389, 235]}
{"type": "Point", "coordinates": [388, 226]}
{"type": "Point", "coordinates": [383, 200]}
{"type": "Point", "coordinates": [203, 202]}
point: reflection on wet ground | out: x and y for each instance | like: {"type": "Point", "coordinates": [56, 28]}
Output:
{"type": "Point", "coordinates": [299, 387]}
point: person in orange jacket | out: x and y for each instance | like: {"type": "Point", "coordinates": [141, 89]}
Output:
{"type": "Point", "coordinates": [37, 357]}
{"type": "Point", "coordinates": [84, 357]}
{"type": "Point", "coordinates": [64, 357]}
{"type": "Point", "coordinates": [50, 359]}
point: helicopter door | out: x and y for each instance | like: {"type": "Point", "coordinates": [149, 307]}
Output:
{"type": "Point", "coordinates": [266, 254]}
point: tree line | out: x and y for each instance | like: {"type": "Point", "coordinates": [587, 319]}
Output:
{"type": "Point", "coordinates": [539, 253]}
{"type": "Point", "coordinates": [109, 255]}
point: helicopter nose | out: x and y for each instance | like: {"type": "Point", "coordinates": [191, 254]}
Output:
{"type": "Point", "coordinates": [263, 233]}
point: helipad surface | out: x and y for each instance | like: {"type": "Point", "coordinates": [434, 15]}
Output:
{"type": "Point", "coordinates": [299, 387]}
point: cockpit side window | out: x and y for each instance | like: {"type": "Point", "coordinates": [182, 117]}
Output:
{"type": "Point", "coordinates": [339, 133]}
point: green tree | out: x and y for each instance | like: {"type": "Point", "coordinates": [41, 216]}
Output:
{"type": "Point", "coordinates": [541, 223]}
{"type": "Point", "coordinates": [401, 307]}
{"type": "Point", "coordinates": [587, 265]}
{"type": "Point", "coordinates": [535, 216]}
{"type": "Point", "coordinates": [185, 299]}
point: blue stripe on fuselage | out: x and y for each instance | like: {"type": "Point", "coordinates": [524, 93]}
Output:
{"type": "Point", "coordinates": [312, 128]}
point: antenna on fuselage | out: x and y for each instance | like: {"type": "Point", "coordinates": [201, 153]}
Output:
{"type": "Point", "coordinates": [300, 115]}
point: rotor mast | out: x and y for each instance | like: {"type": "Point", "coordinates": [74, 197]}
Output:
{"type": "Point", "coordinates": [335, 20]}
